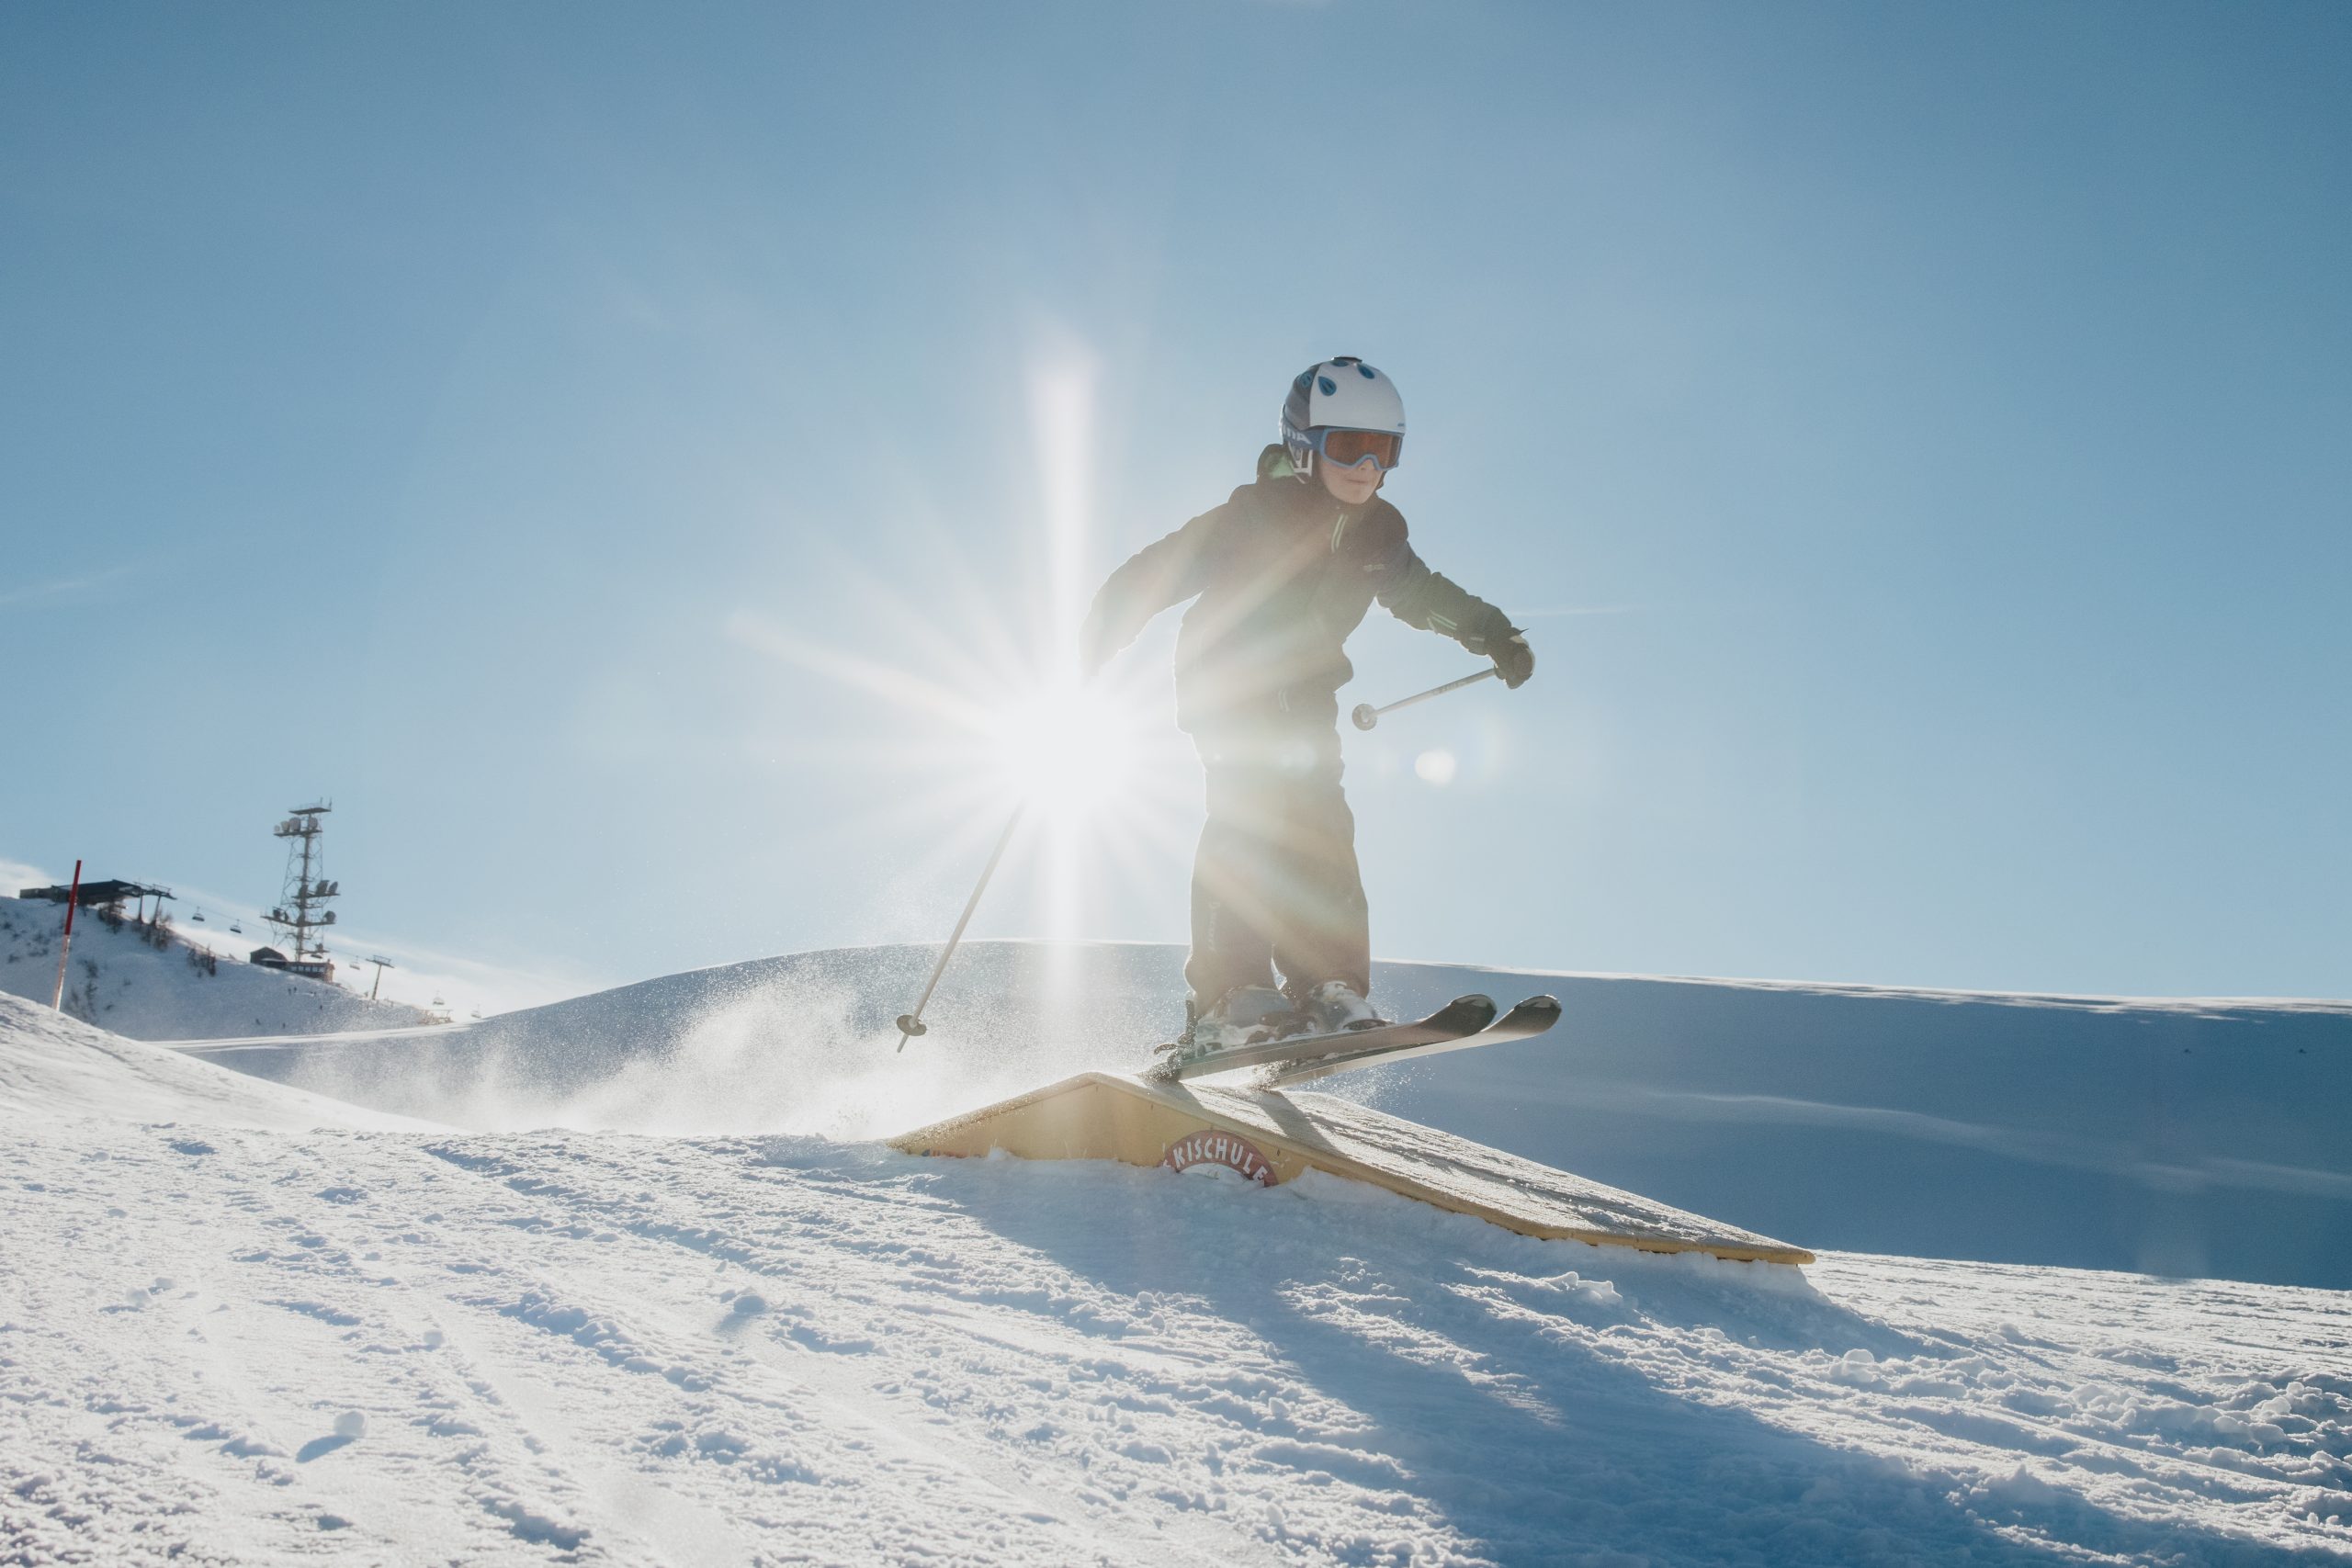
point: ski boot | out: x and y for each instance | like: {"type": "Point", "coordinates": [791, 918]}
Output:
{"type": "Point", "coordinates": [1246, 1015]}
{"type": "Point", "coordinates": [1337, 1007]}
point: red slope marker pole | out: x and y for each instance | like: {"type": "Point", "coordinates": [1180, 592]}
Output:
{"type": "Point", "coordinates": [73, 902]}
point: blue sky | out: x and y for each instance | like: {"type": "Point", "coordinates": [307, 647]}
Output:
{"type": "Point", "coordinates": [1917, 440]}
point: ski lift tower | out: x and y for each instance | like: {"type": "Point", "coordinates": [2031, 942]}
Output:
{"type": "Point", "coordinates": [301, 912]}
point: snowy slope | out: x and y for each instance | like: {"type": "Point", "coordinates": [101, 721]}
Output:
{"type": "Point", "coordinates": [57, 1070]}
{"type": "Point", "coordinates": [254, 1345]}
{"type": "Point", "coordinates": [2185, 1137]}
{"type": "Point", "coordinates": [121, 983]}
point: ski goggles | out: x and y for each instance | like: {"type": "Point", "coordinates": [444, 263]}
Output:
{"type": "Point", "coordinates": [1346, 448]}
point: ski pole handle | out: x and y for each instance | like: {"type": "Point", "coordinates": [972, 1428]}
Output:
{"type": "Point", "coordinates": [1366, 715]}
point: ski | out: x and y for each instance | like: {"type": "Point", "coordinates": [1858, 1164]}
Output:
{"type": "Point", "coordinates": [1526, 1020]}
{"type": "Point", "coordinates": [1461, 1016]}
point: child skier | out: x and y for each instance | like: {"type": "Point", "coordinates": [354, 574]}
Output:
{"type": "Point", "coordinates": [1280, 575]}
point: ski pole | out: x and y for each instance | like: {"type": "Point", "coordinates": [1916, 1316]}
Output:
{"type": "Point", "coordinates": [1366, 715]}
{"type": "Point", "coordinates": [911, 1024]}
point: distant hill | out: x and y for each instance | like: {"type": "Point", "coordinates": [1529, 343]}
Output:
{"type": "Point", "coordinates": [121, 982]}
{"type": "Point", "coordinates": [2187, 1137]}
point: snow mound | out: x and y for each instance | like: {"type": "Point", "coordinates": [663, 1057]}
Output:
{"type": "Point", "coordinates": [2180, 1137]}
{"type": "Point", "coordinates": [499, 1348]}
{"type": "Point", "coordinates": [59, 1069]}
{"type": "Point", "coordinates": [240, 1324]}
{"type": "Point", "coordinates": [123, 982]}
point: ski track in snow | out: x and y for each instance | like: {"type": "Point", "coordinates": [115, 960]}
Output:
{"type": "Point", "coordinates": [244, 1324]}
{"type": "Point", "coordinates": [600, 1347]}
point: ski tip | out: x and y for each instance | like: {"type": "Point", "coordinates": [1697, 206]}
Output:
{"type": "Point", "coordinates": [1462, 1009]}
{"type": "Point", "coordinates": [1532, 1017]}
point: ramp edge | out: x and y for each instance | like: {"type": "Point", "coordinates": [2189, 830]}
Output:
{"type": "Point", "coordinates": [937, 1138]}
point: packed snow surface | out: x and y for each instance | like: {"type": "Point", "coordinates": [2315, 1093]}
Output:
{"type": "Point", "coordinates": [251, 1343]}
{"type": "Point", "coordinates": [57, 1071]}
{"type": "Point", "coordinates": [239, 1324]}
{"type": "Point", "coordinates": [2183, 1137]}
{"type": "Point", "coordinates": [151, 985]}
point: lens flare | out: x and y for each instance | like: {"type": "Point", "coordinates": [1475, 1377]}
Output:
{"type": "Point", "coordinates": [971, 703]}
{"type": "Point", "coordinates": [1067, 748]}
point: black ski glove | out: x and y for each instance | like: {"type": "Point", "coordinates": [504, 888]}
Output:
{"type": "Point", "coordinates": [1513, 658]}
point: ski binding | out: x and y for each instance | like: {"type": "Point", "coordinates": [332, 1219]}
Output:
{"type": "Point", "coordinates": [1461, 1016]}
{"type": "Point", "coordinates": [1528, 1019]}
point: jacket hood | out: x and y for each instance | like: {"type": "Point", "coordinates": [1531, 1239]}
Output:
{"type": "Point", "coordinates": [1274, 463]}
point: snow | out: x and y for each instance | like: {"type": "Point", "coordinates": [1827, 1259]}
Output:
{"type": "Point", "coordinates": [119, 981]}
{"type": "Point", "coordinates": [241, 1323]}
{"type": "Point", "coordinates": [2170, 1136]}
{"type": "Point", "coordinates": [56, 1070]}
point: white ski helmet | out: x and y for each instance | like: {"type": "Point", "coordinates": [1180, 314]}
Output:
{"type": "Point", "coordinates": [1341, 394]}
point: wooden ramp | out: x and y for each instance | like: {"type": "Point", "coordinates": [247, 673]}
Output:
{"type": "Point", "coordinates": [1270, 1137]}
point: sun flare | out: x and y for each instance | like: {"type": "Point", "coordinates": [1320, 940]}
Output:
{"type": "Point", "coordinates": [1067, 748]}
{"type": "Point", "coordinates": [974, 712]}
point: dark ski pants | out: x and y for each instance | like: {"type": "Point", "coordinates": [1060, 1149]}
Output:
{"type": "Point", "coordinates": [1275, 884]}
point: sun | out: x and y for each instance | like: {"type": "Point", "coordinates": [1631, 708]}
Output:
{"type": "Point", "coordinates": [973, 724]}
{"type": "Point", "coordinates": [1067, 748]}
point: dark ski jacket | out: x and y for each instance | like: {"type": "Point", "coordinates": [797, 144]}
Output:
{"type": "Point", "coordinates": [1280, 575]}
